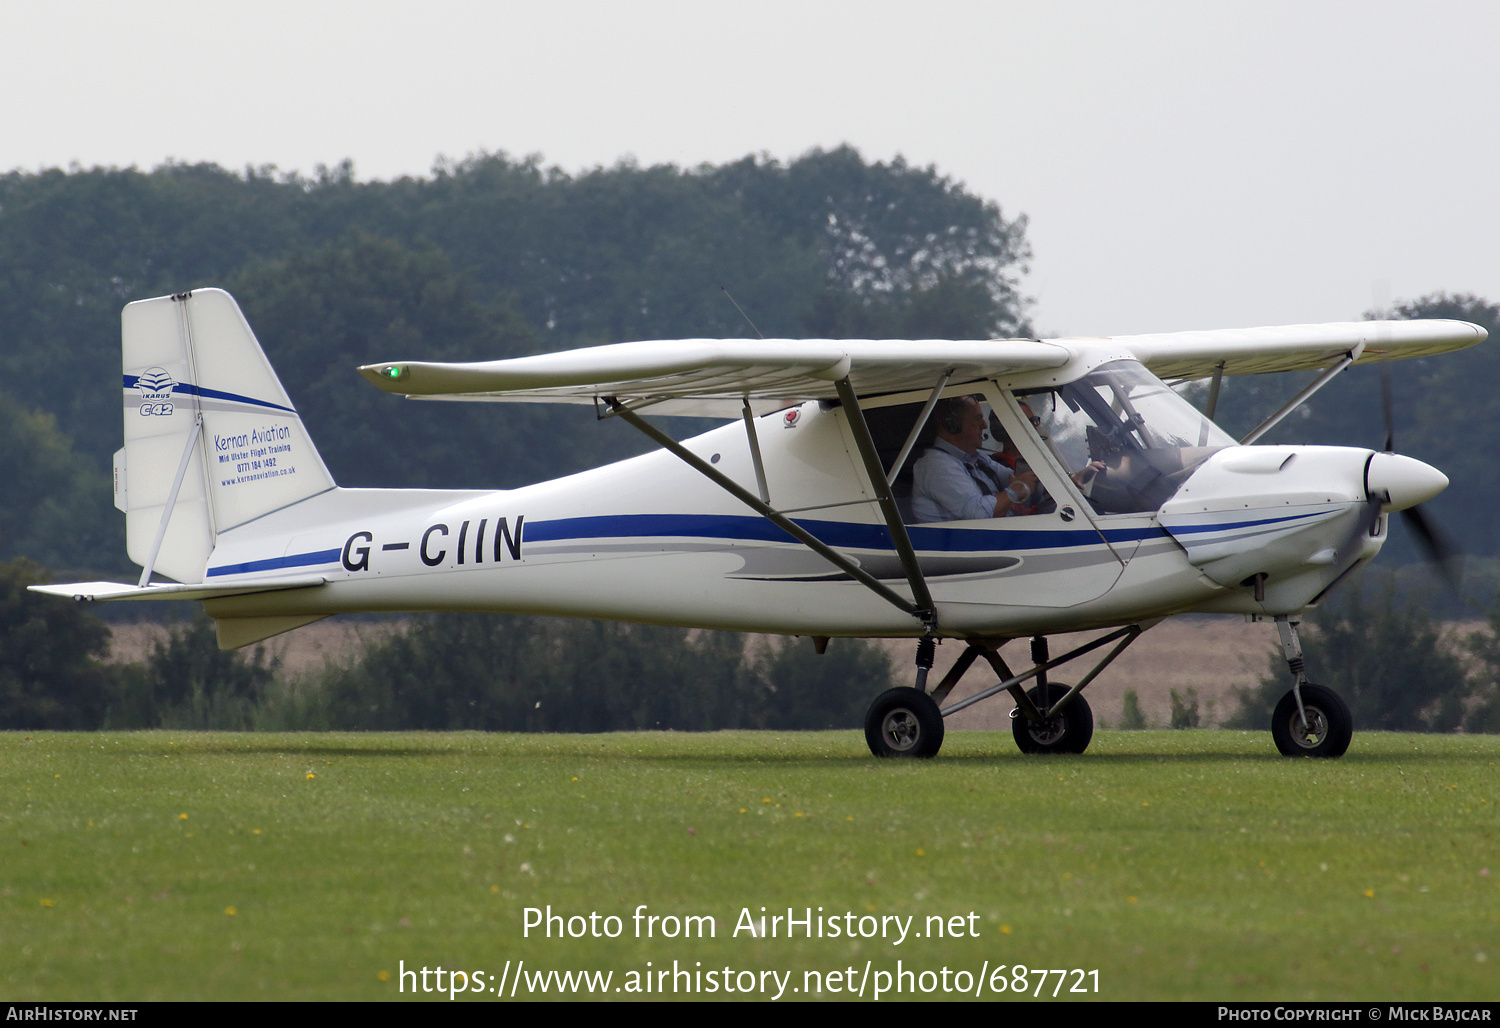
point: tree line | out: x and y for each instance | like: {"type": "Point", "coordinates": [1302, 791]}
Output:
{"type": "Point", "coordinates": [464, 671]}
{"type": "Point", "coordinates": [485, 258]}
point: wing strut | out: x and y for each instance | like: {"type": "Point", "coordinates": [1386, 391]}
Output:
{"type": "Point", "coordinates": [166, 512]}
{"type": "Point", "coordinates": [893, 523]}
{"type": "Point", "coordinates": [760, 468]}
{"type": "Point", "coordinates": [764, 509]}
{"type": "Point", "coordinates": [1302, 397]}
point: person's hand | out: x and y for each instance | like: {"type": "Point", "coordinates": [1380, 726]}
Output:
{"type": "Point", "coordinates": [1088, 471]}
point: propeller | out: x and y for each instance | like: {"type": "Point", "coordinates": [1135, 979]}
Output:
{"type": "Point", "coordinates": [1402, 487]}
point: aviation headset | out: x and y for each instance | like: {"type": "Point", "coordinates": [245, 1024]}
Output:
{"type": "Point", "coordinates": [950, 413]}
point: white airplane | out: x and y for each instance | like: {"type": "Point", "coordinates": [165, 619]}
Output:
{"type": "Point", "coordinates": [795, 517]}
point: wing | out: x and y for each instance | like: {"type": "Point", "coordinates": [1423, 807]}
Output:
{"type": "Point", "coordinates": [1254, 351]}
{"type": "Point", "coordinates": [714, 376]}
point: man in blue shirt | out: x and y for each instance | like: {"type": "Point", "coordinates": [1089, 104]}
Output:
{"type": "Point", "coordinates": [953, 481]}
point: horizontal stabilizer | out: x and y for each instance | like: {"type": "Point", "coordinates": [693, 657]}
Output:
{"type": "Point", "coordinates": [119, 591]}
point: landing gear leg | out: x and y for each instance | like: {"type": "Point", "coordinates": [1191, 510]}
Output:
{"type": "Point", "coordinates": [1310, 720]}
{"type": "Point", "coordinates": [1065, 730]}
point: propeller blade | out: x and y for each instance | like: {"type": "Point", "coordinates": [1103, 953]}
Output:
{"type": "Point", "coordinates": [1355, 540]}
{"type": "Point", "coordinates": [1437, 544]}
{"type": "Point", "coordinates": [1385, 405]}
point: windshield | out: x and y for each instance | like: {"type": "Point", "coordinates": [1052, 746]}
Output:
{"type": "Point", "coordinates": [1125, 435]}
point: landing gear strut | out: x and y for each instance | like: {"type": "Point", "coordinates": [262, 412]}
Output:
{"type": "Point", "coordinates": [1310, 720]}
{"type": "Point", "coordinates": [1050, 718]}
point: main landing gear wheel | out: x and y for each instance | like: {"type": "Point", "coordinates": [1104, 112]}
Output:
{"type": "Point", "coordinates": [904, 722]}
{"type": "Point", "coordinates": [1329, 726]}
{"type": "Point", "coordinates": [1067, 731]}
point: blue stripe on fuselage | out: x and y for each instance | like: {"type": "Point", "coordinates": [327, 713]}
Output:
{"type": "Point", "coordinates": [291, 560]}
{"type": "Point", "coordinates": [757, 529]}
{"type": "Point", "coordinates": [834, 533]}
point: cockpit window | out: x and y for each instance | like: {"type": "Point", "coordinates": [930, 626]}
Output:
{"type": "Point", "coordinates": [1125, 435]}
{"type": "Point", "coordinates": [953, 489]}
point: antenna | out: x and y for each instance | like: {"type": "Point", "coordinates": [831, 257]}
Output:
{"type": "Point", "coordinates": [742, 313]}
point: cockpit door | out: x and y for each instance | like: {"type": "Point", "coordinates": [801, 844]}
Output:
{"type": "Point", "coordinates": [1050, 556]}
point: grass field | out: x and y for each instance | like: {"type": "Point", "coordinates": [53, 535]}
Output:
{"type": "Point", "coordinates": [1180, 865]}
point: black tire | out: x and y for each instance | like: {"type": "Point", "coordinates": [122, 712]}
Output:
{"type": "Point", "coordinates": [1330, 725]}
{"type": "Point", "coordinates": [904, 722]}
{"type": "Point", "coordinates": [1067, 731]}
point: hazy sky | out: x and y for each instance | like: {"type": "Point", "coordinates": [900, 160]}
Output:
{"type": "Point", "coordinates": [1183, 165]}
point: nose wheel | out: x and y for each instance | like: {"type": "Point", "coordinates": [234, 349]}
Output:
{"type": "Point", "coordinates": [1311, 720]}
{"type": "Point", "coordinates": [1326, 730]}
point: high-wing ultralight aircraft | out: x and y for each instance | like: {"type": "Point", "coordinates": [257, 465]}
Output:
{"type": "Point", "coordinates": [797, 516]}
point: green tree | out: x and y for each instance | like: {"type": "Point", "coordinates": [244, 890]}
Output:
{"type": "Point", "coordinates": [1483, 650]}
{"type": "Point", "coordinates": [505, 673]}
{"type": "Point", "coordinates": [323, 312]}
{"type": "Point", "coordinates": [1185, 708]}
{"type": "Point", "coordinates": [799, 689]}
{"type": "Point", "coordinates": [888, 231]}
{"type": "Point", "coordinates": [52, 674]}
{"type": "Point", "coordinates": [188, 682]}
{"type": "Point", "coordinates": [56, 507]}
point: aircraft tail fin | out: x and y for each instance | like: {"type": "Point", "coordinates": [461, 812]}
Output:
{"type": "Point", "coordinates": [211, 438]}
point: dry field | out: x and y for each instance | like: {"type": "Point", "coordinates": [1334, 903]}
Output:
{"type": "Point", "coordinates": [304, 650]}
{"type": "Point", "coordinates": [1210, 654]}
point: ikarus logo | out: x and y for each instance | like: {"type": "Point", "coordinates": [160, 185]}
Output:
{"type": "Point", "coordinates": [156, 387]}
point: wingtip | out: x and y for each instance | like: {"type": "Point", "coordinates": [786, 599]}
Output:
{"type": "Point", "coordinates": [388, 376]}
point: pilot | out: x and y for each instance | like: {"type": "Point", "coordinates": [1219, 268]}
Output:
{"type": "Point", "coordinates": [1080, 477]}
{"type": "Point", "coordinates": [953, 481]}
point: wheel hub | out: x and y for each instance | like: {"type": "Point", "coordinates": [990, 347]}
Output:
{"type": "Point", "coordinates": [1049, 732]}
{"type": "Point", "coordinates": [1314, 732]}
{"type": "Point", "coordinates": [901, 730]}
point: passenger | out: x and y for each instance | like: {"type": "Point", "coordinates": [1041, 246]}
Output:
{"type": "Point", "coordinates": [1005, 451]}
{"type": "Point", "coordinates": [953, 481]}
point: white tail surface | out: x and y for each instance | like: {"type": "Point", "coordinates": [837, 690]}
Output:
{"type": "Point", "coordinates": [211, 438]}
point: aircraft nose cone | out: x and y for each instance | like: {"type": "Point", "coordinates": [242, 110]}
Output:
{"type": "Point", "coordinates": [1401, 482]}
